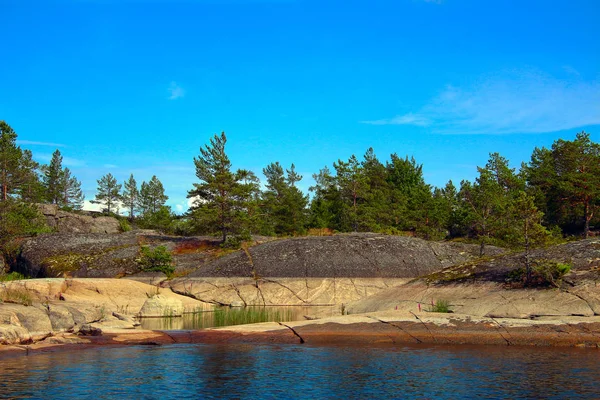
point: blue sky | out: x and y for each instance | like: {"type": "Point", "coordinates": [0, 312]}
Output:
{"type": "Point", "coordinates": [138, 86]}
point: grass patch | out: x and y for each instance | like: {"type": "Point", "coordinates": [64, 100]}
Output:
{"type": "Point", "coordinates": [16, 296]}
{"type": "Point", "coordinates": [440, 306]}
{"type": "Point", "coordinates": [225, 316]}
{"type": "Point", "coordinates": [12, 276]}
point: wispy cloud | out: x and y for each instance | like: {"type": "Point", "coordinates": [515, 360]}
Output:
{"type": "Point", "coordinates": [175, 91]}
{"type": "Point", "coordinates": [66, 161]}
{"type": "Point", "coordinates": [406, 119]}
{"type": "Point", "coordinates": [110, 166]}
{"type": "Point", "coordinates": [35, 143]}
{"type": "Point", "coordinates": [508, 102]}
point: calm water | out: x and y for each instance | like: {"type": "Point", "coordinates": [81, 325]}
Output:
{"type": "Point", "coordinates": [303, 372]}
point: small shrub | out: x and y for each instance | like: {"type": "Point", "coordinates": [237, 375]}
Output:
{"type": "Point", "coordinates": [232, 242]}
{"type": "Point", "coordinates": [158, 259]}
{"type": "Point", "coordinates": [440, 306]}
{"type": "Point", "coordinates": [12, 276]}
{"type": "Point", "coordinates": [124, 225]}
{"type": "Point", "coordinates": [543, 273]}
{"type": "Point", "coordinates": [550, 271]}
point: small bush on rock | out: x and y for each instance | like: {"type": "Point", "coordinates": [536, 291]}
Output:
{"type": "Point", "coordinates": [158, 259]}
{"type": "Point", "coordinates": [440, 306]}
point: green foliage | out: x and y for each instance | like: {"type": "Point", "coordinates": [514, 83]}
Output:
{"type": "Point", "coordinates": [157, 259]}
{"type": "Point", "coordinates": [11, 276]}
{"type": "Point", "coordinates": [60, 187]}
{"type": "Point", "coordinates": [108, 193]}
{"type": "Point", "coordinates": [222, 197]}
{"type": "Point", "coordinates": [131, 196]}
{"type": "Point", "coordinates": [18, 220]}
{"type": "Point", "coordinates": [152, 196]}
{"type": "Point", "coordinates": [550, 271]}
{"type": "Point", "coordinates": [248, 315]}
{"type": "Point", "coordinates": [124, 225]}
{"type": "Point", "coordinates": [440, 306]}
{"type": "Point", "coordinates": [543, 273]}
{"type": "Point", "coordinates": [283, 203]}
{"type": "Point", "coordinates": [10, 162]}
{"type": "Point", "coordinates": [565, 181]}
{"type": "Point", "coordinates": [161, 220]}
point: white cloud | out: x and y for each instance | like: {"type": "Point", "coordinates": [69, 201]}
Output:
{"type": "Point", "coordinates": [110, 166]}
{"type": "Point", "coordinates": [407, 119]}
{"type": "Point", "coordinates": [35, 143]}
{"type": "Point", "coordinates": [509, 102]}
{"type": "Point", "coordinates": [66, 161]}
{"type": "Point", "coordinates": [89, 206]}
{"type": "Point", "coordinates": [175, 91]}
{"type": "Point", "coordinates": [194, 201]}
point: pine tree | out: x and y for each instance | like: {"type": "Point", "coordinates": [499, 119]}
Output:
{"type": "Point", "coordinates": [566, 182]}
{"type": "Point", "coordinates": [284, 203]}
{"type": "Point", "coordinates": [152, 196]}
{"type": "Point", "coordinates": [60, 187]}
{"type": "Point", "coordinates": [131, 196]}
{"type": "Point", "coordinates": [216, 198]}
{"type": "Point", "coordinates": [53, 178]}
{"type": "Point", "coordinates": [10, 161]}
{"type": "Point", "coordinates": [108, 193]}
{"type": "Point", "coordinates": [31, 189]}
{"type": "Point", "coordinates": [353, 185]}
{"type": "Point", "coordinates": [72, 196]}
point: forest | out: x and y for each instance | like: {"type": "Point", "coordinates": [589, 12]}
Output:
{"type": "Point", "coordinates": [553, 196]}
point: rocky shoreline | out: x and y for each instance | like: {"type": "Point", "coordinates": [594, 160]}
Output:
{"type": "Point", "coordinates": [388, 300]}
{"type": "Point", "coordinates": [388, 328]}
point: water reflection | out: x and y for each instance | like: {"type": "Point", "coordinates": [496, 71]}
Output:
{"type": "Point", "coordinates": [297, 371]}
{"type": "Point", "coordinates": [225, 316]}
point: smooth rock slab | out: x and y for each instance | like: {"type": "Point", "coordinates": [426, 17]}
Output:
{"type": "Point", "coordinates": [162, 306]}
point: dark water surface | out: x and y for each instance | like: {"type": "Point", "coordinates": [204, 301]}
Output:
{"type": "Point", "coordinates": [303, 372]}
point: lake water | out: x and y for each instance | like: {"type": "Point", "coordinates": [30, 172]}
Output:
{"type": "Point", "coordinates": [303, 372]}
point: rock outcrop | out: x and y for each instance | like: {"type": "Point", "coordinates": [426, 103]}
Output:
{"type": "Point", "coordinates": [360, 255]}
{"type": "Point", "coordinates": [483, 287]}
{"type": "Point", "coordinates": [38, 308]}
{"type": "Point", "coordinates": [67, 222]}
{"type": "Point", "coordinates": [161, 306]}
{"type": "Point", "coordinates": [96, 255]}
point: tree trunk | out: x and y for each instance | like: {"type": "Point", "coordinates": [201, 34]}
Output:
{"type": "Point", "coordinates": [587, 217]}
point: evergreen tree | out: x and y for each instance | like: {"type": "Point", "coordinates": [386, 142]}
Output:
{"type": "Point", "coordinates": [374, 213]}
{"type": "Point", "coordinates": [52, 178]}
{"type": "Point", "coordinates": [131, 196]}
{"type": "Point", "coordinates": [566, 182]}
{"type": "Point", "coordinates": [326, 207]}
{"type": "Point", "coordinates": [152, 196]}
{"type": "Point", "coordinates": [60, 187]}
{"type": "Point", "coordinates": [108, 193]}
{"type": "Point", "coordinates": [10, 161]}
{"type": "Point", "coordinates": [408, 193]}
{"type": "Point", "coordinates": [284, 203]}
{"type": "Point", "coordinates": [72, 196]}
{"type": "Point", "coordinates": [352, 185]}
{"type": "Point", "coordinates": [31, 189]}
{"type": "Point", "coordinates": [217, 198]}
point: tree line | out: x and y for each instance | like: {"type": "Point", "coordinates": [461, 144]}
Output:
{"type": "Point", "coordinates": [556, 193]}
